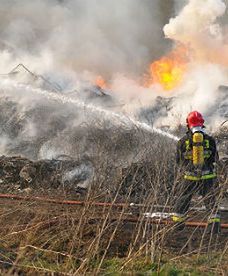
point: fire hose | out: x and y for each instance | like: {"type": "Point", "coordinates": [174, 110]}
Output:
{"type": "Point", "coordinates": [132, 219]}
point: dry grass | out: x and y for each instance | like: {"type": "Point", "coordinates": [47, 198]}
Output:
{"type": "Point", "coordinates": [38, 238]}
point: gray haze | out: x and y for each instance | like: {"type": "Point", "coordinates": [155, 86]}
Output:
{"type": "Point", "coordinates": [100, 36]}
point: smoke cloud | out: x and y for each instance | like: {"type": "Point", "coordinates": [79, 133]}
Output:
{"type": "Point", "coordinates": [197, 27]}
{"type": "Point", "coordinates": [103, 37]}
{"type": "Point", "coordinates": [201, 27]}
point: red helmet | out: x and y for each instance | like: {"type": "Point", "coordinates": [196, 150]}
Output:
{"type": "Point", "coordinates": [194, 119]}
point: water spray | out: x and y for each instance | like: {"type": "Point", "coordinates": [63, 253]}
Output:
{"type": "Point", "coordinates": [118, 119]}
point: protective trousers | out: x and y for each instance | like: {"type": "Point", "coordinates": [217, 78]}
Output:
{"type": "Point", "coordinates": [208, 189]}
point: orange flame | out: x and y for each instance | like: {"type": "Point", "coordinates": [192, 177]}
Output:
{"type": "Point", "coordinates": [169, 71]}
{"type": "Point", "coordinates": [100, 82]}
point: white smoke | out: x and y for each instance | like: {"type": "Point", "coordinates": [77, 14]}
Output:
{"type": "Point", "coordinates": [197, 27]}
{"type": "Point", "coordinates": [103, 37]}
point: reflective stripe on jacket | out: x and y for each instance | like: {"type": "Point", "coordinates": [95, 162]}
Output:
{"type": "Point", "coordinates": [184, 157]}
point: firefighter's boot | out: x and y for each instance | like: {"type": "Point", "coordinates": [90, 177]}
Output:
{"type": "Point", "coordinates": [178, 219]}
{"type": "Point", "coordinates": [214, 224]}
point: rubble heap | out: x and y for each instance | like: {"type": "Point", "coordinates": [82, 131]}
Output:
{"type": "Point", "coordinates": [21, 174]}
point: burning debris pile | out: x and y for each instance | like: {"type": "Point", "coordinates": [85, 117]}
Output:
{"type": "Point", "coordinates": [44, 131]}
{"type": "Point", "coordinates": [87, 91]}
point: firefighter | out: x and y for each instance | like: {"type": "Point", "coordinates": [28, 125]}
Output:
{"type": "Point", "coordinates": [196, 157]}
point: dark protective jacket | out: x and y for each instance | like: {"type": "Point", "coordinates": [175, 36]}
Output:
{"type": "Point", "coordinates": [184, 157]}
